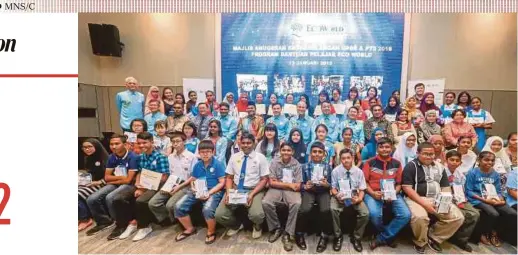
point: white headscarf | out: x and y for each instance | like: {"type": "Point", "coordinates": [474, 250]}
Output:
{"type": "Point", "coordinates": [504, 166]}
{"type": "Point", "coordinates": [232, 110]}
{"type": "Point", "coordinates": [403, 153]}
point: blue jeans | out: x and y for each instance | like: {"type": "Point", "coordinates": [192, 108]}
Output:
{"type": "Point", "coordinates": [83, 211]}
{"type": "Point", "coordinates": [101, 202]}
{"type": "Point", "coordinates": [401, 217]}
{"type": "Point", "coordinates": [184, 205]}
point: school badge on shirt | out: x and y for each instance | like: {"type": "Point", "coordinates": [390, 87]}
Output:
{"type": "Point", "coordinates": [97, 163]}
{"type": "Point", "coordinates": [211, 170]}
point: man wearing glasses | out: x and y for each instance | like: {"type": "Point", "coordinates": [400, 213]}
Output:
{"type": "Point", "coordinates": [422, 181]}
{"type": "Point", "coordinates": [181, 162]}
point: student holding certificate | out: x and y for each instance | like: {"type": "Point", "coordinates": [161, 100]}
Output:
{"type": "Point", "coordinates": [484, 193]}
{"type": "Point", "coordinates": [422, 181]}
{"type": "Point", "coordinates": [383, 187]}
{"type": "Point", "coordinates": [211, 173]}
{"type": "Point", "coordinates": [180, 170]}
{"type": "Point", "coordinates": [285, 182]}
{"type": "Point", "coordinates": [348, 189]}
{"type": "Point", "coordinates": [316, 177]}
{"type": "Point", "coordinates": [471, 215]}
{"type": "Point", "coordinates": [154, 168]}
{"type": "Point", "coordinates": [247, 174]}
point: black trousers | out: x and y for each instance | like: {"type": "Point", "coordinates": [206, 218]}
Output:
{"type": "Point", "coordinates": [123, 204]}
{"type": "Point", "coordinates": [143, 213]}
{"type": "Point", "coordinates": [495, 217]}
{"type": "Point", "coordinates": [323, 200]}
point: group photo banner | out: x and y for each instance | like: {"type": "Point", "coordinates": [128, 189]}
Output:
{"type": "Point", "coordinates": [304, 53]}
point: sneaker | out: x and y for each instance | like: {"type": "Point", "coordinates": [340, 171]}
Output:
{"type": "Point", "coordinates": [419, 249]}
{"type": "Point", "coordinates": [142, 233]}
{"type": "Point", "coordinates": [257, 232]}
{"type": "Point", "coordinates": [99, 228]}
{"type": "Point", "coordinates": [116, 233]}
{"type": "Point", "coordinates": [232, 232]}
{"type": "Point", "coordinates": [129, 230]}
{"type": "Point", "coordinates": [434, 245]}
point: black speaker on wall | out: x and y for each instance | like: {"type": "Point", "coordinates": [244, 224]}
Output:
{"type": "Point", "coordinates": [105, 40]}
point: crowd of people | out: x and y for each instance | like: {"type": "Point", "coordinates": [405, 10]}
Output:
{"type": "Point", "coordinates": [430, 166]}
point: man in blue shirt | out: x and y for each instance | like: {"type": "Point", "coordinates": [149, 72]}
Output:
{"type": "Point", "coordinates": [303, 122]}
{"type": "Point", "coordinates": [212, 172]}
{"type": "Point", "coordinates": [202, 120]}
{"type": "Point", "coordinates": [228, 123]}
{"type": "Point", "coordinates": [130, 104]}
{"type": "Point", "coordinates": [328, 119]}
{"type": "Point", "coordinates": [280, 121]}
{"type": "Point", "coordinates": [121, 169]}
{"type": "Point", "coordinates": [316, 181]}
{"type": "Point", "coordinates": [150, 161]}
{"type": "Point", "coordinates": [155, 115]}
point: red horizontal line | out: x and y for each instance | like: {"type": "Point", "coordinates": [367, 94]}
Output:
{"type": "Point", "coordinates": [5, 221]}
{"type": "Point", "coordinates": [38, 75]}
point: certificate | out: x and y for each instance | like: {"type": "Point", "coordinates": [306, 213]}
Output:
{"type": "Point", "coordinates": [171, 182]}
{"type": "Point", "coordinates": [290, 109]}
{"type": "Point", "coordinates": [84, 179]}
{"type": "Point", "coordinates": [238, 198]}
{"type": "Point", "coordinates": [149, 179]}
{"type": "Point", "coordinates": [491, 191]}
{"type": "Point", "coordinates": [339, 108]}
{"type": "Point", "coordinates": [318, 111]}
{"type": "Point", "coordinates": [132, 137]}
{"type": "Point", "coordinates": [443, 202]}
{"type": "Point", "coordinates": [318, 173]}
{"type": "Point", "coordinates": [260, 109]}
{"type": "Point", "coordinates": [121, 171]}
{"type": "Point", "coordinates": [200, 185]}
{"type": "Point", "coordinates": [388, 189]}
{"type": "Point", "coordinates": [345, 188]}
{"type": "Point", "coordinates": [287, 175]}
{"type": "Point", "coordinates": [390, 117]}
{"type": "Point", "coordinates": [243, 114]}
{"type": "Point", "coordinates": [458, 192]}
{"type": "Point", "coordinates": [157, 143]}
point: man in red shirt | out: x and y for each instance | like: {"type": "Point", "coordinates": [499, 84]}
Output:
{"type": "Point", "coordinates": [383, 177]}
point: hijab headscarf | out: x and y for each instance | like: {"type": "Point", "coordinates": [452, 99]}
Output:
{"type": "Point", "coordinates": [430, 129]}
{"type": "Point", "coordinates": [442, 156]}
{"type": "Point", "coordinates": [150, 97]}
{"type": "Point", "coordinates": [95, 163]}
{"type": "Point", "coordinates": [241, 104]}
{"type": "Point", "coordinates": [299, 148]}
{"type": "Point", "coordinates": [424, 107]}
{"type": "Point", "coordinates": [232, 105]}
{"type": "Point", "coordinates": [501, 154]}
{"type": "Point", "coordinates": [370, 147]}
{"type": "Point", "coordinates": [392, 110]}
{"type": "Point", "coordinates": [403, 153]}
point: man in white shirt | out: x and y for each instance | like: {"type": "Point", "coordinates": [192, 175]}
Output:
{"type": "Point", "coordinates": [247, 174]}
{"type": "Point", "coordinates": [181, 162]}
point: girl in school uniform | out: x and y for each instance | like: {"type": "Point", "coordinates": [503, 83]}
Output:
{"type": "Point", "coordinates": [406, 150]}
{"type": "Point", "coordinates": [448, 107]}
{"type": "Point", "coordinates": [270, 144]}
{"type": "Point", "coordinates": [191, 144]}
{"type": "Point", "coordinates": [296, 140]}
{"type": "Point", "coordinates": [321, 135]}
{"type": "Point", "coordinates": [481, 120]}
{"type": "Point", "coordinates": [495, 144]}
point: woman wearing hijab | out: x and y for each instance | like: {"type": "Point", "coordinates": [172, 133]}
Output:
{"type": "Point", "coordinates": [495, 144]}
{"type": "Point", "coordinates": [154, 93]}
{"type": "Point", "coordinates": [428, 104]}
{"type": "Point", "coordinates": [415, 115]}
{"type": "Point", "coordinates": [242, 102]}
{"type": "Point", "coordinates": [428, 127]}
{"type": "Point", "coordinates": [232, 108]}
{"type": "Point", "coordinates": [296, 140]}
{"type": "Point", "coordinates": [406, 150]}
{"type": "Point", "coordinates": [369, 150]}
{"type": "Point", "coordinates": [392, 109]}
{"type": "Point", "coordinates": [95, 158]}
{"type": "Point", "coordinates": [438, 145]}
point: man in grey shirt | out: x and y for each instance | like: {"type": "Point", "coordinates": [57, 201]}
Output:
{"type": "Point", "coordinates": [285, 181]}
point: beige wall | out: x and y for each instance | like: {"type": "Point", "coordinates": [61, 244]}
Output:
{"type": "Point", "coordinates": [474, 52]}
{"type": "Point", "coordinates": [160, 49]}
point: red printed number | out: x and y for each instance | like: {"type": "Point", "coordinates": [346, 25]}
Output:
{"type": "Point", "coordinates": [3, 203]}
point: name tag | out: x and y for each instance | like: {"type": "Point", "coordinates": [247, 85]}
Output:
{"type": "Point", "coordinates": [121, 171]}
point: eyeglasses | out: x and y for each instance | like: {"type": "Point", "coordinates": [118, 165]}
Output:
{"type": "Point", "coordinates": [176, 141]}
{"type": "Point", "coordinates": [427, 154]}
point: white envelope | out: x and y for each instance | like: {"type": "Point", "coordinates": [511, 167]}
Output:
{"type": "Point", "coordinates": [287, 175]}
{"type": "Point", "coordinates": [318, 173]}
{"type": "Point", "coordinates": [388, 190]}
{"type": "Point", "coordinates": [458, 191]}
{"type": "Point", "coordinates": [120, 171]}
{"type": "Point", "coordinates": [491, 191]}
{"type": "Point", "coordinates": [237, 198]}
{"type": "Point", "coordinates": [171, 182]}
{"type": "Point", "coordinates": [290, 109]}
{"type": "Point", "coordinates": [149, 179]}
{"type": "Point", "coordinates": [260, 109]}
{"type": "Point", "coordinates": [443, 202]}
{"type": "Point", "coordinates": [345, 188]}
{"type": "Point", "coordinates": [132, 137]}
{"type": "Point", "coordinates": [200, 185]}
